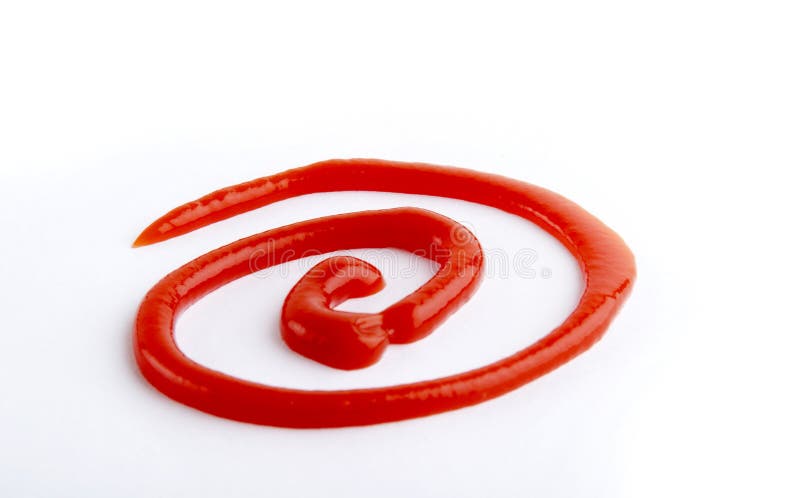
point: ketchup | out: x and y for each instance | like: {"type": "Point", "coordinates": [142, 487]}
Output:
{"type": "Point", "coordinates": [312, 327]}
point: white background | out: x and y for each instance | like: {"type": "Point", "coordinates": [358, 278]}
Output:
{"type": "Point", "coordinates": [677, 123]}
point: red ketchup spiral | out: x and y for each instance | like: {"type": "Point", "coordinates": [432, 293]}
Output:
{"type": "Point", "coordinates": [311, 327]}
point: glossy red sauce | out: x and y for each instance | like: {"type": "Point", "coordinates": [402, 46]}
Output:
{"type": "Point", "coordinates": [310, 325]}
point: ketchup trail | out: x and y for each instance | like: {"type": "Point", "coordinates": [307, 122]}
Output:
{"type": "Point", "coordinates": [310, 325]}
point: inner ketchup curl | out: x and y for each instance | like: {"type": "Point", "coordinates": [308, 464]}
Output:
{"type": "Point", "coordinates": [312, 327]}
{"type": "Point", "coordinates": [345, 340]}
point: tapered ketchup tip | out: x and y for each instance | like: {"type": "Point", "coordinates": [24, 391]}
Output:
{"type": "Point", "coordinates": [144, 239]}
{"type": "Point", "coordinates": [138, 242]}
{"type": "Point", "coordinates": [158, 231]}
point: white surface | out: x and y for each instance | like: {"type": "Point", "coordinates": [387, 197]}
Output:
{"type": "Point", "coordinates": [675, 123]}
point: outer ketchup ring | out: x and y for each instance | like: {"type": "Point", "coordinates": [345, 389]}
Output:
{"type": "Point", "coordinates": [607, 264]}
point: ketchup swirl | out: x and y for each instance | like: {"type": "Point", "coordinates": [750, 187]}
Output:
{"type": "Point", "coordinates": [310, 325]}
